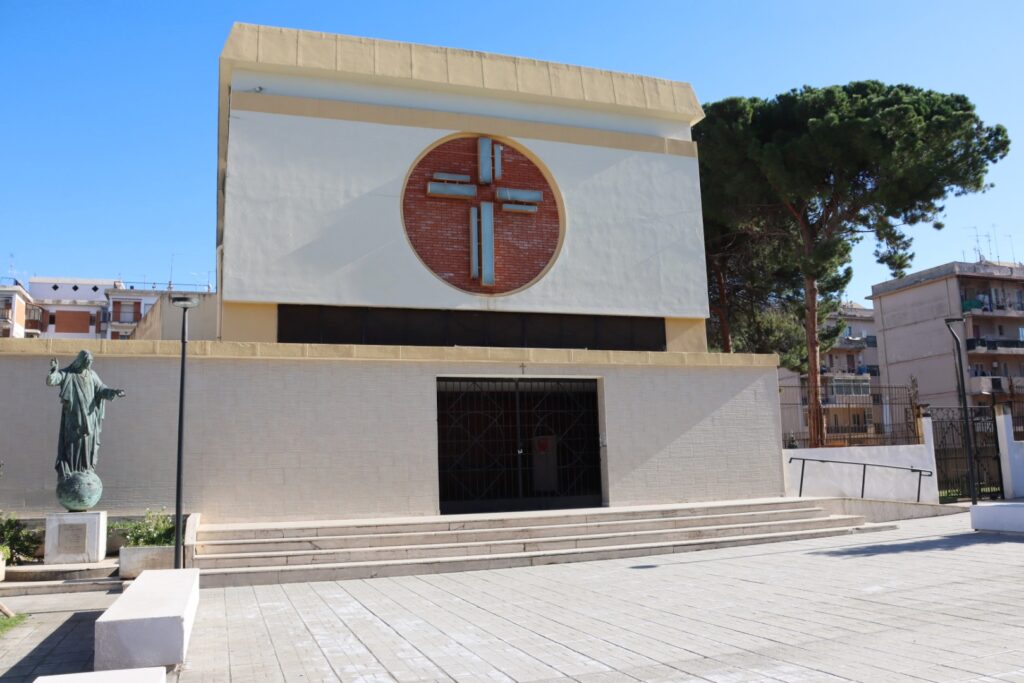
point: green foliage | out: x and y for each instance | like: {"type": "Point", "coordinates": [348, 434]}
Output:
{"type": "Point", "coordinates": [790, 184]}
{"type": "Point", "coordinates": [7, 623]}
{"type": "Point", "coordinates": [21, 543]}
{"type": "Point", "coordinates": [156, 528]}
{"type": "Point", "coordinates": [5, 553]}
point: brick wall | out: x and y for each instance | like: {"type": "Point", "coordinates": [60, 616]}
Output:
{"type": "Point", "coordinates": [438, 227]}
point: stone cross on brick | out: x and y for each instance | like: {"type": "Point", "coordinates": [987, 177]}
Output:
{"type": "Point", "coordinates": [483, 195]}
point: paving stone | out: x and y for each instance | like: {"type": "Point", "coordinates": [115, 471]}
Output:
{"type": "Point", "coordinates": [930, 601]}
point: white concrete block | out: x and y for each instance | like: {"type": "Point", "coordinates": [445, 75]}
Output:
{"type": "Point", "coordinates": [154, 674]}
{"type": "Point", "coordinates": [73, 537]}
{"type": "Point", "coordinates": [133, 560]}
{"type": "Point", "coordinates": [998, 517]}
{"type": "Point", "coordinates": [150, 624]}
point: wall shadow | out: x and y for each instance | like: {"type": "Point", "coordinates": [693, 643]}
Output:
{"type": "Point", "coordinates": [951, 542]}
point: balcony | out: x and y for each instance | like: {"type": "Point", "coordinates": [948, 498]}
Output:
{"type": "Point", "coordinates": [6, 315]}
{"type": "Point", "coordinates": [847, 371]}
{"type": "Point", "coordinates": [995, 385]}
{"type": "Point", "coordinates": [1004, 309]}
{"type": "Point", "coordinates": [988, 345]}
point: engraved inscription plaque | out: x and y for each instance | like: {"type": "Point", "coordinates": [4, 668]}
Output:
{"type": "Point", "coordinates": [71, 538]}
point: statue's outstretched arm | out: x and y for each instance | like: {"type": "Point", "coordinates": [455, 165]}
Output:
{"type": "Point", "coordinates": [109, 394]}
{"type": "Point", "coordinates": [55, 376]}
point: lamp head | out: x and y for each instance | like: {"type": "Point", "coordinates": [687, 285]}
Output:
{"type": "Point", "coordinates": [954, 320]}
{"type": "Point", "coordinates": [183, 301]}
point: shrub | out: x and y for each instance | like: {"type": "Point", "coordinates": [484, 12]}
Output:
{"type": "Point", "coordinates": [156, 528]}
{"type": "Point", "coordinates": [21, 542]}
{"type": "Point", "coordinates": [5, 553]}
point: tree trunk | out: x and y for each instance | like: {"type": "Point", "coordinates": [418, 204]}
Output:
{"type": "Point", "coordinates": [815, 414]}
{"type": "Point", "coordinates": [723, 309]}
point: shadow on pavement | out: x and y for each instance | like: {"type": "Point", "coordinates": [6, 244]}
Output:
{"type": "Point", "coordinates": [952, 542]}
{"type": "Point", "coordinates": [67, 649]}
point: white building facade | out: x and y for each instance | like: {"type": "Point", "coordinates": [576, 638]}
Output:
{"type": "Point", "coordinates": [449, 281]}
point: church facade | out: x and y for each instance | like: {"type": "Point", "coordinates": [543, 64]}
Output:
{"type": "Point", "coordinates": [514, 250]}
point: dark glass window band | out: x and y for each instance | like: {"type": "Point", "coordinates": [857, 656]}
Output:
{"type": "Point", "coordinates": [298, 324]}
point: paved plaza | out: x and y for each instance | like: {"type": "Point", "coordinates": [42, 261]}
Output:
{"type": "Point", "coordinates": [931, 601]}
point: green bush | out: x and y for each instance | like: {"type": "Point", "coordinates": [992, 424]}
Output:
{"type": "Point", "coordinates": [5, 553]}
{"type": "Point", "coordinates": [21, 542]}
{"type": "Point", "coordinates": [156, 528]}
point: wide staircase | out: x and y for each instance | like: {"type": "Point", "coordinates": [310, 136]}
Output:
{"type": "Point", "coordinates": [288, 552]}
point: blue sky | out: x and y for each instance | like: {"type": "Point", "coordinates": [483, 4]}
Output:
{"type": "Point", "coordinates": [108, 120]}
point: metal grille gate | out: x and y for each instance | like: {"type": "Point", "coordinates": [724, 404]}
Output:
{"type": "Point", "coordinates": [517, 444]}
{"type": "Point", "coordinates": [951, 453]}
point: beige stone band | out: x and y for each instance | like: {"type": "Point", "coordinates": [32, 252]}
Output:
{"type": "Point", "coordinates": [458, 354]}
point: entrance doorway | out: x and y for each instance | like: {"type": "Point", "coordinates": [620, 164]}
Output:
{"type": "Point", "coordinates": [517, 444]}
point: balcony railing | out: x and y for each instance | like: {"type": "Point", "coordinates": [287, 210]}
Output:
{"type": "Point", "coordinates": [995, 384]}
{"type": "Point", "coordinates": [978, 307]}
{"type": "Point", "coordinates": [994, 344]}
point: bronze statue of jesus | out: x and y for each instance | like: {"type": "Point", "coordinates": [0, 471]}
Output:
{"type": "Point", "coordinates": [82, 394]}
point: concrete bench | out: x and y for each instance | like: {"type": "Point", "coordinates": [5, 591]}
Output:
{"type": "Point", "coordinates": [150, 624]}
{"type": "Point", "coordinates": [156, 674]}
{"type": "Point", "coordinates": [1008, 517]}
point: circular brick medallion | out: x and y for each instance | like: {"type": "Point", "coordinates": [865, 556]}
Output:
{"type": "Point", "coordinates": [444, 192]}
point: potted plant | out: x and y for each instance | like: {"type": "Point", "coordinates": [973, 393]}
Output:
{"type": "Point", "coordinates": [148, 544]}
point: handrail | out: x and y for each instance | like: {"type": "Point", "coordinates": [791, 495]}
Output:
{"type": "Point", "coordinates": [864, 473]}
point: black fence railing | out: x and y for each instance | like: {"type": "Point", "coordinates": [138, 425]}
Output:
{"type": "Point", "coordinates": [994, 344]}
{"type": "Point", "coordinates": [854, 412]}
{"type": "Point", "coordinates": [1017, 411]}
{"type": "Point", "coordinates": [864, 472]}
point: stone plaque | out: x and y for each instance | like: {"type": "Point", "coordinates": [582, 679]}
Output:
{"type": "Point", "coordinates": [71, 538]}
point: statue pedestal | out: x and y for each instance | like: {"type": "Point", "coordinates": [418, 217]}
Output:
{"type": "Point", "coordinates": [73, 537]}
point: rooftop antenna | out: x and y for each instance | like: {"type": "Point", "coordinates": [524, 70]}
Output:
{"type": "Point", "coordinates": [977, 243]}
{"type": "Point", "coordinates": [995, 237]}
{"type": "Point", "coordinates": [10, 264]}
{"type": "Point", "coordinates": [988, 238]}
{"type": "Point", "coordinates": [1013, 255]}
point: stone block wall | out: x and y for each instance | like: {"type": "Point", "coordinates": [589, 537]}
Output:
{"type": "Point", "coordinates": [334, 436]}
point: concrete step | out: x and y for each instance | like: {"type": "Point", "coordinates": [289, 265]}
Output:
{"type": "Point", "coordinates": [305, 529]}
{"type": "Point", "coordinates": [248, 576]}
{"type": "Point", "coordinates": [11, 588]}
{"type": "Point", "coordinates": [62, 572]}
{"type": "Point", "coordinates": [587, 538]}
{"type": "Point", "coordinates": [415, 538]}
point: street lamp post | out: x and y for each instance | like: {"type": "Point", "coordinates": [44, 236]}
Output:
{"type": "Point", "coordinates": [184, 303]}
{"type": "Point", "coordinates": [962, 391]}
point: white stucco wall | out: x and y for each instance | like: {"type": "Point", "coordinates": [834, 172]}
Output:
{"type": "Point", "coordinates": [842, 480]}
{"type": "Point", "coordinates": [305, 439]}
{"type": "Point", "coordinates": [313, 216]}
{"type": "Point", "coordinates": [1011, 456]}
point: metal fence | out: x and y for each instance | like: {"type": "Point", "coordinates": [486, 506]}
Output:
{"type": "Point", "coordinates": [854, 413]}
{"type": "Point", "coordinates": [1017, 410]}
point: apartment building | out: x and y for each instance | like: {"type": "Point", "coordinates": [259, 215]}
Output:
{"type": "Point", "coordinates": [914, 343]}
{"type": "Point", "coordinates": [849, 377]}
{"type": "Point", "coordinates": [19, 316]}
{"type": "Point", "coordinates": [73, 308]}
